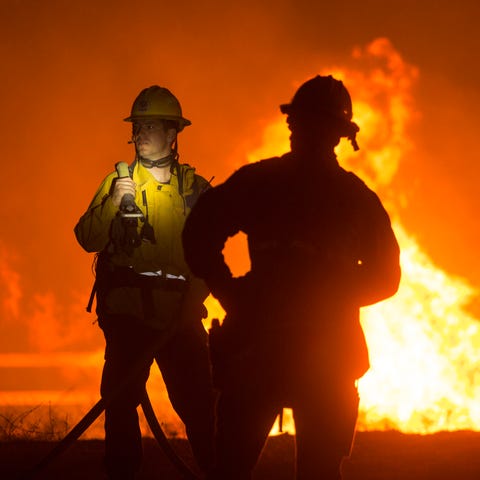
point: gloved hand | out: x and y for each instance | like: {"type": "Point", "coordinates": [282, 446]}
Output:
{"type": "Point", "coordinates": [193, 308]}
{"type": "Point", "coordinates": [122, 186]}
{"type": "Point", "coordinates": [235, 294]}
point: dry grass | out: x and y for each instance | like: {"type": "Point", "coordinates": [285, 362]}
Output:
{"type": "Point", "coordinates": [27, 436]}
{"type": "Point", "coordinates": [376, 456]}
{"type": "Point", "coordinates": [32, 424]}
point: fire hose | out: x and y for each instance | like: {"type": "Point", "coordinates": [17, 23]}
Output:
{"type": "Point", "coordinates": [93, 414]}
{"type": "Point", "coordinates": [105, 402]}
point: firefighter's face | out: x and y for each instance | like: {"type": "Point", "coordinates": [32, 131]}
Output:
{"type": "Point", "coordinates": [311, 134]}
{"type": "Point", "coordinates": [152, 140]}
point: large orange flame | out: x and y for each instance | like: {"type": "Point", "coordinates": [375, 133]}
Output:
{"type": "Point", "coordinates": [424, 352]}
{"type": "Point", "coordinates": [424, 346]}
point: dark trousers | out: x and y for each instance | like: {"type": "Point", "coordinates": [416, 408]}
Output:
{"type": "Point", "coordinates": [184, 364]}
{"type": "Point", "coordinates": [324, 413]}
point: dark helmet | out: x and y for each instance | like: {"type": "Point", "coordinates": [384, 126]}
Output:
{"type": "Point", "coordinates": [324, 97]}
{"type": "Point", "coordinates": [158, 102]}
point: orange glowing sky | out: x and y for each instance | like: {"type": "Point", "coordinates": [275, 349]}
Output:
{"type": "Point", "coordinates": [70, 70]}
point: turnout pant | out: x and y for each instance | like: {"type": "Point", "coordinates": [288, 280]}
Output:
{"type": "Point", "coordinates": [184, 364]}
{"type": "Point", "coordinates": [325, 416]}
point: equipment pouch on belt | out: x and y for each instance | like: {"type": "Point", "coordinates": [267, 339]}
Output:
{"type": "Point", "coordinates": [152, 300]}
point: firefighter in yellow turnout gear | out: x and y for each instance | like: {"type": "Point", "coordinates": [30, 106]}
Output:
{"type": "Point", "coordinates": [147, 298]}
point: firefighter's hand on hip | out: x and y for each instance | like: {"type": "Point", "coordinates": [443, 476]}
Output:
{"type": "Point", "coordinates": [122, 186]}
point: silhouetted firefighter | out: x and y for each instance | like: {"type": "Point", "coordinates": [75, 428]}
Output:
{"type": "Point", "coordinates": [149, 305]}
{"type": "Point", "coordinates": [321, 246]}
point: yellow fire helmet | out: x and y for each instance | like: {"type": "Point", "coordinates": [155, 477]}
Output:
{"type": "Point", "coordinates": [157, 102]}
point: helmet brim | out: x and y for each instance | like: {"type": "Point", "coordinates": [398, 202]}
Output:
{"type": "Point", "coordinates": [182, 122]}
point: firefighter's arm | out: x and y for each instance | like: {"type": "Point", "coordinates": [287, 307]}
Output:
{"type": "Point", "coordinates": [211, 221]}
{"type": "Point", "coordinates": [93, 229]}
{"type": "Point", "coordinates": [379, 272]}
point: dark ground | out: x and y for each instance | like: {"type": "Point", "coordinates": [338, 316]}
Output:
{"type": "Point", "coordinates": [376, 456]}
